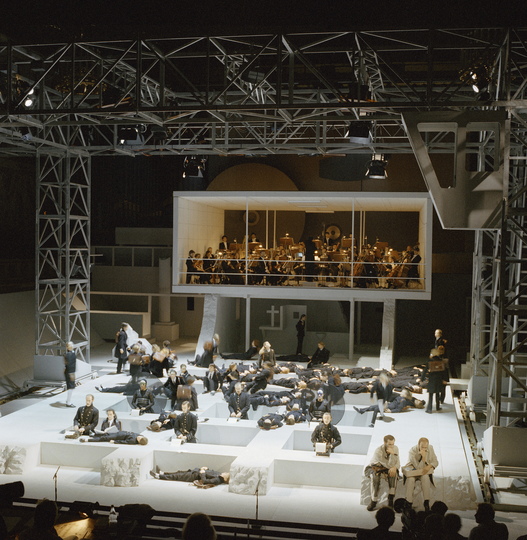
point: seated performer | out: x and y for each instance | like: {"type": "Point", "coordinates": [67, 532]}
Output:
{"type": "Point", "coordinates": [383, 390]}
{"type": "Point", "coordinates": [266, 355]}
{"type": "Point", "coordinates": [318, 406]}
{"type": "Point", "coordinates": [143, 399]}
{"type": "Point", "coordinates": [186, 424]}
{"type": "Point", "coordinates": [111, 421]}
{"type": "Point", "coordinates": [207, 357]}
{"type": "Point", "coordinates": [135, 360]}
{"type": "Point", "coordinates": [422, 461]}
{"type": "Point", "coordinates": [86, 419]}
{"type": "Point", "coordinates": [211, 381]}
{"type": "Point", "coordinates": [207, 476]}
{"type": "Point", "coordinates": [121, 437]}
{"type": "Point", "coordinates": [187, 392]}
{"type": "Point", "coordinates": [247, 355]}
{"type": "Point", "coordinates": [384, 463]}
{"type": "Point", "coordinates": [270, 421]}
{"type": "Point", "coordinates": [327, 433]}
{"type": "Point", "coordinates": [239, 403]}
{"type": "Point", "coordinates": [321, 356]}
{"type": "Point", "coordinates": [170, 387]}
{"type": "Point", "coordinates": [230, 376]}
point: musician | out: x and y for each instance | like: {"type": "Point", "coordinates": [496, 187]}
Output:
{"type": "Point", "coordinates": [413, 272]}
{"type": "Point", "coordinates": [208, 265]}
{"type": "Point", "coordinates": [329, 242]}
{"type": "Point", "coordinates": [310, 258]}
{"type": "Point", "coordinates": [190, 265]}
{"type": "Point", "coordinates": [224, 246]}
{"type": "Point", "coordinates": [327, 433]}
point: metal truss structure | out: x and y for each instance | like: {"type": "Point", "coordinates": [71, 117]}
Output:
{"type": "Point", "coordinates": [63, 254]}
{"type": "Point", "coordinates": [302, 94]}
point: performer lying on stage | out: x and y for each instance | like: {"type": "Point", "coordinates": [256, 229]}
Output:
{"type": "Point", "coordinates": [204, 475]}
{"type": "Point", "coordinates": [164, 422]}
{"type": "Point", "coordinates": [270, 421]}
{"type": "Point", "coordinates": [121, 437]}
{"type": "Point", "coordinates": [247, 355]}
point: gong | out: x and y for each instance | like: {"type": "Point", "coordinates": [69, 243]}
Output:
{"type": "Point", "coordinates": [334, 231]}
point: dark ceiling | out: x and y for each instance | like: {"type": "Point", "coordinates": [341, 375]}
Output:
{"type": "Point", "coordinates": [53, 21]}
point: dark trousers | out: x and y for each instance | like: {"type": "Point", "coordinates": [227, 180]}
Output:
{"type": "Point", "coordinates": [120, 364]}
{"type": "Point", "coordinates": [300, 341]}
{"type": "Point", "coordinates": [430, 399]}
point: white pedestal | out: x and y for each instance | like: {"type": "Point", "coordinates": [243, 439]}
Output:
{"type": "Point", "coordinates": [165, 331]}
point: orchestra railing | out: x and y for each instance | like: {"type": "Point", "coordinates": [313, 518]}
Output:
{"type": "Point", "coordinates": [277, 272]}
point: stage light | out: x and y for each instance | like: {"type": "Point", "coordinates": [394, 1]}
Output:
{"type": "Point", "coordinates": [194, 166]}
{"type": "Point", "coordinates": [377, 169]}
{"type": "Point", "coordinates": [159, 133]}
{"type": "Point", "coordinates": [359, 133]}
{"type": "Point", "coordinates": [131, 135]}
{"type": "Point", "coordinates": [29, 99]}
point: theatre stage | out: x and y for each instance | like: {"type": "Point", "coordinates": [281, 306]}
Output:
{"type": "Point", "coordinates": [300, 486]}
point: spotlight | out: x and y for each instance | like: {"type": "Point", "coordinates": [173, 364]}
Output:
{"type": "Point", "coordinates": [377, 169]}
{"type": "Point", "coordinates": [26, 134]}
{"type": "Point", "coordinates": [29, 99]}
{"type": "Point", "coordinates": [359, 133]}
{"type": "Point", "coordinates": [131, 135]}
{"type": "Point", "coordinates": [194, 166]}
{"type": "Point", "coordinates": [159, 133]}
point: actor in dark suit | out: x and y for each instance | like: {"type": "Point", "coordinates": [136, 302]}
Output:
{"type": "Point", "coordinates": [186, 424]}
{"type": "Point", "coordinates": [239, 403]}
{"type": "Point", "coordinates": [70, 363]}
{"type": "Point", "coordinates": [212, 381]}
{"type": "Point", "coordinates": [143, 399]}
{"type": "Point", "coordinates": [121, 437]}
{"type": "Point", "coordinates": [121, 352]}
{"type": "Point", "coordinates": [270, 421]}
{"type": "Point", "coordinates": [247, 355]}
{"type": "Point", "coordinates": [86, 419]}
{"type": "Point", "coordinates": [190, 266]}
{"type": "Point", "coordinates": [326, 432]}
{"type": "Point", "coordinates": [435, 379]}
{"type": "Point", "coordinates": [300, 333]}
{"type": "Point", "coordinates": [203, 476]}
{"type": "Point", "coordinates": [321, 356]}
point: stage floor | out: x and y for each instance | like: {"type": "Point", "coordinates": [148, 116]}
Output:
{"type": "Point", "coordinates": [37, 423]}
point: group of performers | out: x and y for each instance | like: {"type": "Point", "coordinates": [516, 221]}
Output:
{"type": "Point", "coordinates": [315, 260]}
{"type": "Point", "coordinates": [312, 394]}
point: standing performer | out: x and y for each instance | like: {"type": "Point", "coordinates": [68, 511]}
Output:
{"type": "Point", "coordinates": [300, 333]}
{"type": "Point", "coordinates": [435, 373]}
{"type": "Point", "coordinates": [120, 350]}
{"type": "Point", "coordinates": [70, 363]}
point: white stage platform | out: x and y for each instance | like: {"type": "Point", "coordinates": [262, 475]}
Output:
{"type": "Point", "coordinates": [294, 484]}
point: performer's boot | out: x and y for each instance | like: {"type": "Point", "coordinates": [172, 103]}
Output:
{"type": "Point", "coordinates": [427, 506]}
{"type": "Point", "coordinates": [371, 506]}
{"type": "Point", "coordinates": [390, 500]}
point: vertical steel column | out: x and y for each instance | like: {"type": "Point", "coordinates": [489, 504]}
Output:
{"type": "Point", "coordinates": [63, 253]}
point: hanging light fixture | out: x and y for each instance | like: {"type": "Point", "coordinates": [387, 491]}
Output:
{"type": "Point", "coordinates": [377, 168]}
